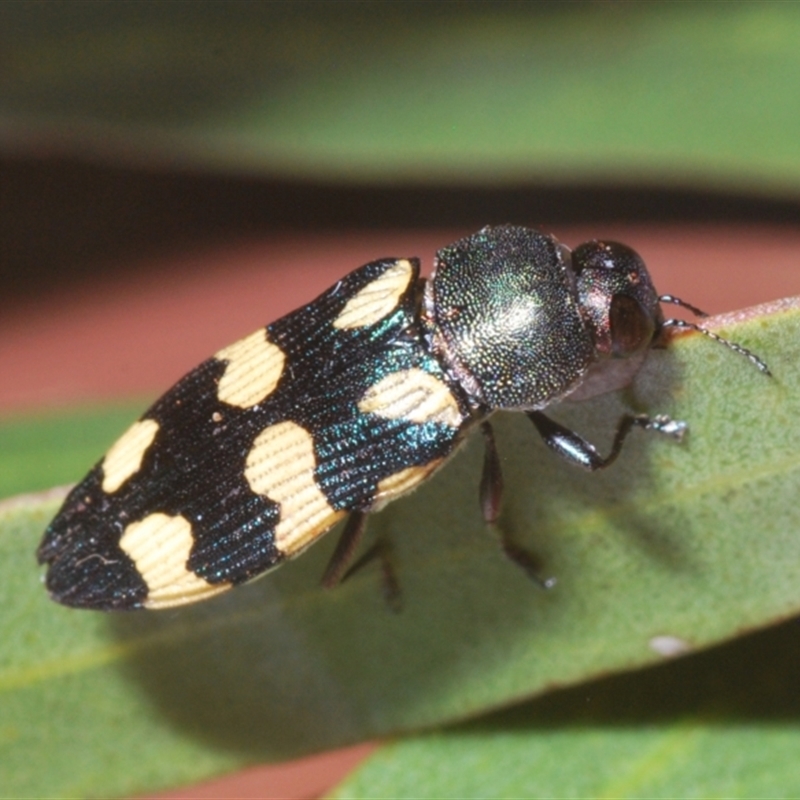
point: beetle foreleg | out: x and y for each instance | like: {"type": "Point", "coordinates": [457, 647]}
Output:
{"type": "Point", "coordinates": [578, 451]}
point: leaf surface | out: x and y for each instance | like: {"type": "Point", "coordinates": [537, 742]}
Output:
{"type": "Point", "coordinates": [724, 723]}
{"type": "Point", "coordinates": [676, 547]}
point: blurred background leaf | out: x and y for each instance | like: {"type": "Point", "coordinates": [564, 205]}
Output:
{"type": "Point", "coordinates": [698, 93]}
{"type": "Point", "coordinates": [45, 450]}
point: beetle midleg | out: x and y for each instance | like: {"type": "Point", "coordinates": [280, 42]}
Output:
{"type": "Point", "coordinates": [352, 534]}
{"type": "Point", "coordinates": [491, 488]}
{"type": "Point", "coordinates": [578, 451]}
{"type": "Point", "coordinates": [523, 558]}
{"type": "Point", "coordinates": [491, 497]}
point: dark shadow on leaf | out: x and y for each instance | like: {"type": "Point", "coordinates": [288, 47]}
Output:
{"type": "Point", "coordinates": [751, 679]}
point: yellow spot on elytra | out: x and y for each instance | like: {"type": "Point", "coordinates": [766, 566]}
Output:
{"type": "Point", "coordinates": [377, 299]}
{"type": "Point", "coordinates": [280, 466]}
{"type": "Point", "coordinates": [402, 482]}
{"type": "Point", "coordinates": [412, 395]}
{"type": "Point", "coordinates": [254, 368]}
{"type": "Point", "coordinates": [159, 546]}
{"type": "Point", "coordinates": [124, 457]}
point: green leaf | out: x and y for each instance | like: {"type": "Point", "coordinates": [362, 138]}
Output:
{"type": "Point", "coordinates": [677, 544]}
{"type": "Point", "coordinates": [724, 723]}
{"type": "Point", "coordinates": [499, 93]}
{"type": "Point", "coordinates": [47, 450]}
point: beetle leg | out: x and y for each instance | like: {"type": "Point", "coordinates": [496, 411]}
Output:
{"type": "Point", "coordinates": [491, 497]}
{"type": "Point", "coordinates": [578, 451]}
{"type": "Point", "coordinates": [390, 588]}
{"type": "Point", "coordinates": [339, 568]}
{"type": "Point", "coordinates": [491, 488]}
{"type": "Point", "coordinates": [345, 548]}
{"type": "Point", "coordinates": [524, 559]}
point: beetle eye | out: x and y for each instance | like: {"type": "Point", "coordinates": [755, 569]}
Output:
{"type": "Point", "coordinates": [632, 328]}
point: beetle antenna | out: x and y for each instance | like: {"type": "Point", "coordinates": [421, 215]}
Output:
{"type": "Point", "coordinates": [743, 351]}
{"type": "Point", "coordinates": [676, 301]}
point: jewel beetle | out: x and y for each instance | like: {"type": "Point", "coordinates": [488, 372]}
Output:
{"type": "Point", "coordinates": [350, 402]}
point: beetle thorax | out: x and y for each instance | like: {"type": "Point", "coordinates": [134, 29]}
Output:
{"type": "Point", "coordinates": [504, 317]}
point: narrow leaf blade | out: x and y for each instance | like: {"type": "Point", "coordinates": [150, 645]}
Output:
{"type": "Point", "coordinates": [677, 545]}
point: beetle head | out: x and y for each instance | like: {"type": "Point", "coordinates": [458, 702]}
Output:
{"type": "Point", "coordinates": [617, 298]}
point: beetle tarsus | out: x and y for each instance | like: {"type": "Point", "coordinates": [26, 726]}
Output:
{"type": "Point", "coordinates": [523, 558]}
{"type": "Point", "coordinates": [674, 428]}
